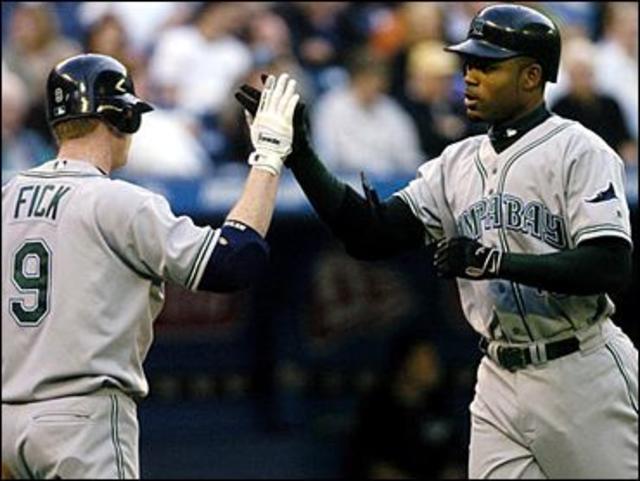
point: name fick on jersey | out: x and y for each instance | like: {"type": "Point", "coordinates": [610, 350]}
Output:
{"type": "Point", "coordinates": [39, 201]}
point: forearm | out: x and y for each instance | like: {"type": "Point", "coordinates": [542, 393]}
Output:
{"type": "Point", "coordinates": [368, 231]}
{"type": "Point", "coordinates": [242, 254]}
{"type": "Point", "coordinates": [585, 270]}
{"type": "Point", "coordinates": [324, 191]}
{"type": "Point", "coordinates": [256, 204]}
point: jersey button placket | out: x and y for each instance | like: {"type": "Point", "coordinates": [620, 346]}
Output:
{"type": "Point", "coordinates": [491, 181]}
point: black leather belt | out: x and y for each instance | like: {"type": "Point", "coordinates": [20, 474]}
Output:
{"type": "Point", "coordinates": [512, 358]}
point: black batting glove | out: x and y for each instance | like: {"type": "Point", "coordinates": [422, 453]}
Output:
{"type": "Point", "coordinates": [249, 97]}
{"type": "Point", "coordinates": [464, 257]}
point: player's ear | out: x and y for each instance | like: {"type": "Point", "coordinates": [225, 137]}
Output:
{"type": "Point", "coordinates": [531, 77]}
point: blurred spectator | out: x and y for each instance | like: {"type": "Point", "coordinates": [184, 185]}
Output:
{"type": "Point", "coordinates": [142, 21]}
{"type": "Point", "coordinates": [458, 17]}
{"type": "Point", "coordinates": [420, 21]}
{"type": "Point", "coordinates": [438, 115]}
{"type": "Point", "coordinates": [585, 103]}
{"type": "Point", "coordinates": [196, 66]}
{"type": "Point", "coordinates": [34, 47]}
{"type": "Point", "coordinates": [575, 18]}
{"type": "Point", "coordinates": [404, 427]}
{"type": "Point", "coordinates": [322, 32]}
{"type": "Point", "coordinates": [359, 127]}
{"type": "Point", "coordinates": [386, 32]}
{"type": "Point", "coordinates": [166, 144]}
{"type": "Point", "coordinates": [22, 148]}
{"type": "Point", "coordinates": [269, 39]}
{"type": "Point", "coordinates": [617, 59]}
{"type": "Point", "coordinates": [107, 36]}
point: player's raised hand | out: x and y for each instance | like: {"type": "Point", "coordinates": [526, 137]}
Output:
{"type": "Point", "coordinates": [249, 97]}
{"type": "Point", "coordinates": [464, 257]}
{"type": "Point", "coordinates": [272, 126]}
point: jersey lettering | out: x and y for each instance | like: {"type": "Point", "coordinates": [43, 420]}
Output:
{"type": "Point", "coordinates": [35, 201]}
{"type": "Point", "coordinates": [512, 213]}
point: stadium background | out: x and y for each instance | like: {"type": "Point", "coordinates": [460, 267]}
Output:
{"type": "Point", "coordinates": [267, 383]}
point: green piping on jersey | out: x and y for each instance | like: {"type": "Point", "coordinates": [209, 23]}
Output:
{"type": "Point", "coordinates": [502, 234]}
{"type": "Point", "coordinates": [524, 150]}
{"type": "Point", "coordinates": [597, 228]}
{"type": "Point", "coordinates": [616, 358]}
{"type": "Point", "coordinates": [23, 458]}
{"type": "Point", "coordinates": [480, 167]}
{"type": "Point", "coordinates": [198, 259]}
{"type": "Point", "coordinates": [114, 436]}
{"type": "Point", "coordinates": [49, 175]}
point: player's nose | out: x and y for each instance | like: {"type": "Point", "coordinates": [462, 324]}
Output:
{"type": "Point", "coordinates": [470, 77]}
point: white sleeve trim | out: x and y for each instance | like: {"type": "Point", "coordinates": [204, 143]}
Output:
{"type": "Point", "coordinates": [601, 231]}
{"type": "Point", "coordinates": [203, 261]}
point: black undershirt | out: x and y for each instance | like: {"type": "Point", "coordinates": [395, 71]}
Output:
{"type": "Point", "coordinates": [502, 136]}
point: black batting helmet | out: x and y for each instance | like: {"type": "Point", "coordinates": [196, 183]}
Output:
{"type": "Point", "coordinates": [92, 85]}
{"type": "Point", "coordinates": [504, 31]}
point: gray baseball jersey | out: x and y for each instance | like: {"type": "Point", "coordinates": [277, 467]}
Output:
{"type": "Point", "coordinates": [558, 185]}
{"type": "Point", "coordinates": [84, 261]}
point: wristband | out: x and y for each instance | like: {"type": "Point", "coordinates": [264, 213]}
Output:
{"type": "Point", "coordinates": [268, 162]}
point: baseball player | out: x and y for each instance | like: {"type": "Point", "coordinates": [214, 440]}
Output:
{"type": "Point", "coordinates": [84, 262]}
{"type": "Point", "coordinates": [532, 220]}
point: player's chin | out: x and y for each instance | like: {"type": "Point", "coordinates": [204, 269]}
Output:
{"type": "Point", "coordinates": [475, 115]}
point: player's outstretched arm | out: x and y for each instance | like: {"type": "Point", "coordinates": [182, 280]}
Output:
{"type": "Point", "coordinates": [593, 267]}
{"type": "Point", "coordinates": [241, 252]}
{"type": "Point", "coordinates": [369, 229]}
{"type": "Point", "coordinates": [272, 136]}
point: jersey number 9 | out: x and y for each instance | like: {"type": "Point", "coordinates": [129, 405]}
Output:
{"type": "Point", "coordinates": [31, 269]}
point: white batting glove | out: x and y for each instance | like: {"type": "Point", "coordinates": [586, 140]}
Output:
{"type": "Point", "coordinates": [272, 128]}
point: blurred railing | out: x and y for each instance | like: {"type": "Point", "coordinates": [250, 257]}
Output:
{"type": "Point", "coordinates": [216, 195]}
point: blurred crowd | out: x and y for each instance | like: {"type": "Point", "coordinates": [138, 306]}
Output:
{"type": "Point", "coordinates": [382, 93]}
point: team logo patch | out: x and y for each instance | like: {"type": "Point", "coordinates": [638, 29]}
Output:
{"type": "Point", "coordinates": [477, 27]}
{"type": "Point", "coordinates": [607, 194]}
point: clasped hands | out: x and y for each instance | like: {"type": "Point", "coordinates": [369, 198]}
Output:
{"type": "Point", "coordinates": [271, 123]}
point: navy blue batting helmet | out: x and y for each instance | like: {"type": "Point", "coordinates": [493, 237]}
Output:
{"type": "Point", "coordinates": [92, 85]}
{"type": "Point", "coordinates": [506, 30]}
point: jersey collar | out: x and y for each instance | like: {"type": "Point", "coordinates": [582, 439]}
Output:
{"type": "Point", "coordinates": [70, 165]}
{"type": "Point", "coordinates": [504, 135]}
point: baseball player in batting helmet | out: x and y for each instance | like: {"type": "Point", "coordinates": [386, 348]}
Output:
{"type": "Point", "coordinates": [531, 219]}
{"type": "Point", "coordinates": [501, 32]}
{"type": "Point", "coordinates": [94, 85]}
{"type": "Point", "coordinates": [84, 263]}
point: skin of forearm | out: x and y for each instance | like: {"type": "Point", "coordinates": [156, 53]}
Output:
{"type": "Point", "coordinates": [256, 204]}
{"type": "Point", "coordinates": [582, 271]}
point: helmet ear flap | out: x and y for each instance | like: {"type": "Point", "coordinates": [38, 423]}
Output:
{"type": "Point", "coordinates": [122, 115]}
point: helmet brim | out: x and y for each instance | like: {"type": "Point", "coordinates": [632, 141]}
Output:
{"type": "Point", "coordinates": [140, 105]}
{"type": "Point", "coordinates": [474, 47]}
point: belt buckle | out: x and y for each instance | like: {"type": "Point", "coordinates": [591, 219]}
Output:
{"type": "Point", "coordinates": [512, 358]}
